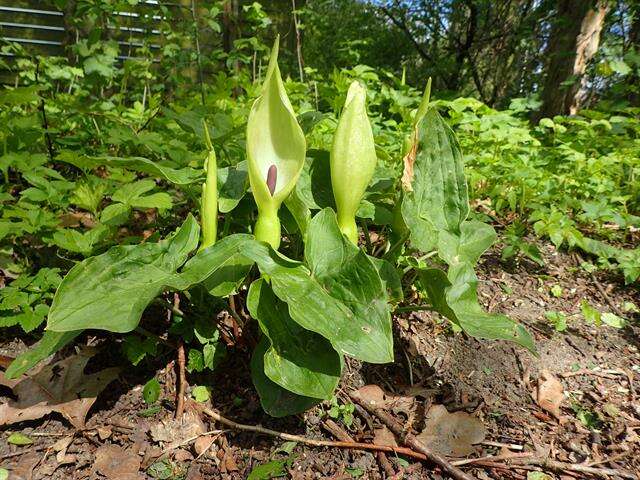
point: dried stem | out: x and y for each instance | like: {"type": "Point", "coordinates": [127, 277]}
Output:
{"type": "Point", "coordinates": [308, 441]}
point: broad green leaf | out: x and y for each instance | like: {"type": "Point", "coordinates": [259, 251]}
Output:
{"type": "Point", "coordinates": [351, 277]}
{"type": "Point", "coordinates": [299, 360]}
{"type": "Point", "coordinates": [474, 239]}
{"type": "Point", "coordinates": [438, 199]}
{"type": "Point", "coordinates": [275, 400]}
{"type": "Point", "coordinates": [353, 159]}
{"type": "Point", "coordinates": [269, 470]}
{"type": "Point", "coordinates": [221, 267]}
{"type": "Point", "coordinates": [457, 300]}
{"type": "Point", "coordinates": [201, 394]}
{"type": "Point", "coordinates": [298, 210]}
{"type": "Point", "coordinates": [50, 343]}
{"type": "Point", "coordinates": [183, 176]}
{"type": "Point", "coordinates": [110, 291]}
{"type": "Point", "coordinates": [115, 214]}
{"type": "Point", "coordinates": [232, 185]}
{"type": "Point", "coordinates": [314, 308]}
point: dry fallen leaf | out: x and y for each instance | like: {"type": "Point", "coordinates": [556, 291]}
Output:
{"type": "Point", "coordinates": [115, 463]}
{"type": "Point", "coordinates": [408, 160]}
{"type": "Point", "coordinates": [384, 436]}
{"type": "Point", "coordinates": [202, 444]}
{"type": "Point", "coordinates": [452, 434]}
{"type": "Point", "coordinates": [175, 432]}
{"type": "Point", "coordinates": [377, 397]}
{"type": "Point", "coordinates": [550, 393]}
{"type": "Point", "coordinates": [62, 387]}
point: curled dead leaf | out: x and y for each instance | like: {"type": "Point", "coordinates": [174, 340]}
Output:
{"type": "Point", "coordinates": [409, 160]}
{"type": "Point", "coordinates": [452, 434]}
{"type": "Point", "coordinates": [61, 387]}
{"type": "Point", "coordinates": [549, 393]}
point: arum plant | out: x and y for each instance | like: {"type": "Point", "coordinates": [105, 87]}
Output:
{"type": "Point", "coordinates": [276, 150]}
{"type": "Point", "coordinates": [209, 200]}
{"type": "Point", "coordinates": [353, 159]}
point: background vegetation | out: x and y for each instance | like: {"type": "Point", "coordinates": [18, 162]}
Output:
{"type": "Point", "coordinates": [544, 96]}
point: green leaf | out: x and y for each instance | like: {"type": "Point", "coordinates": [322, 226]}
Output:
{"type": "Point", "coordinates": [115, 214]}
{"type": "Point", "coordinates": [195, 362]}
{"type": "Point", "coordinates": [391, 279]}
{"type": "Point", "coordinates": [4, 474]}
{"type": "Point", "coordinates": [313, 308]}
{"type": "Point", "coordinates": [50, 343]}
{"type": "Point", "coordinates": [275, 400]}
{"type": "Point", "coordinates": [613, 320]}
{"type": "Point", "coordinates": [590, 314]}
{"type": "Point", "coordinates": [20, 439]}
{"type": "Point", "coordinates": [457, 300]}
{"type": "Point", "coordinates": [351, 277]}
{"type": "Point", "coordinates": [12, 97]}
{"type": "Point", "coordinates": [221, 267]}
{"type": "Point", "coordinates": [437, 200]}
{"type": "Point", "coordinates": [201, 394]}
{"type": "Point", "coordinates": [110, 291]}
{"type": "Point", "coordinates": [183, 176]}
{"type": "Point", "coordinates": [297, 359]}
{"type": "Point", "coordinates": [267, 471]}
{"type": "Point", "coordinates": [474, 239]}
{"type": "Point", "coordinates": [232, 185]}
{"type": "Point", "coordinates": [558, 319]}
{"type": "Point", "coordinates": [151, 391]}
{"type": "Point", "coordinates": [135, 348]}
{"type": "Point", "coordinates": [74, 241]}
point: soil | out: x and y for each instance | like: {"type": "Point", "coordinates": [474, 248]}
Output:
{"type": "Point", "coordinates": [597, 366]}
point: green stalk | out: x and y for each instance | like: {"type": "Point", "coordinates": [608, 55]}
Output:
{"type": "Point", "coordinates": [209, 201]}
{"type": "Point", "coordinates": [267, 228]}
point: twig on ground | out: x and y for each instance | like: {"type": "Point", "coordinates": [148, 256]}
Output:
{"type": "Point", "coordinates": [182, 371]}
{"type": "Point", "coordinates": [493, 458]}
{"type": "Point", "coordinates": [386, 464]}
{"type": "Point", "coordinates": [309, 441]}
{"type": "Point", "coordinates": [337, 431]}
{"type": "Point", "coordinates": [610, 374]}
{"type": "Point", "coordinates": [510, 446]}
{"type": "Point", "coordinates": [181, 381]}
{"type": "Point", "coordinates": [410, 440]}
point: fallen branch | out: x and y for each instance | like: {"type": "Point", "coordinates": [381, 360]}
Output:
{"type": "Point", "coordinates": [309, 441]}
{"type": "Point", "coordinates": [409, 439]}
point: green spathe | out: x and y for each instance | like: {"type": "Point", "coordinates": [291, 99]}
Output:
{"type": "Point", "coordinates": [275, 151]}
{"type": "Point", "coordinates": [353, 159]}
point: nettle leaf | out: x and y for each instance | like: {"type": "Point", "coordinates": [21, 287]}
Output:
{"type": "Point", "coordinates": [50, 343]}
{"type": "Point", "coordinates": [77, 242]}
{"type": "Point", "coordinates": [275, 400]}
{"type": "Point", "coordinates": [455, 297]}
{"type": "Point", "coordinates": [110, 291]}
{"type": "Point", "coordinates": [299, 360]}
{"type": "Point", "coordinates": [438, 199]}
{"type": "Point", "coordinates": [182, 176]}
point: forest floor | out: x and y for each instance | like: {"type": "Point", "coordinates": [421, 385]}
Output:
{"type": "Point", "coordinates": [575, 404]}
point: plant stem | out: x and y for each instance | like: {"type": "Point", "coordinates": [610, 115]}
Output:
{"type": "Point", "coordinates": [268, 228]}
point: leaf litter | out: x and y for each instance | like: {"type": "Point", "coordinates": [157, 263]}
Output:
{"type": "Point", "coordinates": [61, 387]}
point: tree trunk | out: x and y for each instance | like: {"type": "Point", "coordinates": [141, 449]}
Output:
{"type": "Point", "coordinates": [573, 43]}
